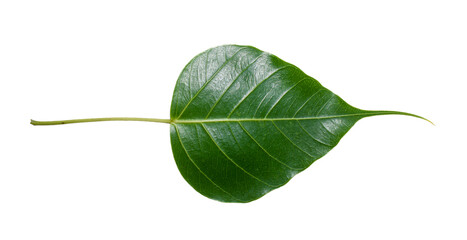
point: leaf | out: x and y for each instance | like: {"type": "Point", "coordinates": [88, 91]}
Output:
{"type": "Point", "coordinates": [244, 122]}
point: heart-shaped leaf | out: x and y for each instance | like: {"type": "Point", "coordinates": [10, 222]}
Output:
{"type": "Point", "coordinates": [244, 122]}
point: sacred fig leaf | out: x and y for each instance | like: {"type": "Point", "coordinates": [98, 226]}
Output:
{"type": "Point", "coordinates": [243, 122]}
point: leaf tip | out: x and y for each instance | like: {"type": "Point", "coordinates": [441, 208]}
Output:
{"type": "Point", "coordinates": [432, 123]}
{"type": "Point", "coordinates": [422, 118]}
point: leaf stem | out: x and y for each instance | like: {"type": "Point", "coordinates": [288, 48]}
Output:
{"type": "Point", "coordinates": [37, 123]}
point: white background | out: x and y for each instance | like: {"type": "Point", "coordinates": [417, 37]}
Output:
{"type": "Point", "coordinates": [391, 177]}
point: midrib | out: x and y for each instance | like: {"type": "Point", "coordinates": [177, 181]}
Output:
{"type": "Point", "coordinates": [194, 121]}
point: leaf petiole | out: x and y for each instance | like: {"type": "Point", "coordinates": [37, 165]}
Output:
{"type": "Point", "coordinates": [38, 123]}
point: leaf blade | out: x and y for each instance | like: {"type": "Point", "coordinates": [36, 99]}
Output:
{"type": "Point", "coordinates": [253, 124]}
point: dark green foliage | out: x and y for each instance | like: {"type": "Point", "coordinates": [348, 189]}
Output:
{"type": "Point", "coordinates": [244, 122]}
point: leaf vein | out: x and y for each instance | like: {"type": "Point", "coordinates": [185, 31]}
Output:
{"type": "Point", "coordinates": [268, 119]}
{"type": "Point", "coordinates": [325, 104]}
{"type": "Point", "coordinates": [204, 174]}
{"type": "Point", "coordinates": [281, 96]}
{"type": "Point", "coordinates": [189, 80]}
{"type": "Point", "coordinates": [291, 140]}
{"type": "Point", "coordinates": [231, 160]}
{"type": "Point", "coordinates": [260, 103]}
{"type": "Point", "coordinates": [209, 80]}
{"type": "Point", "coordinates": [248, 94]}
{"type": "Point", "coordinates": [206, 64]}
{"type": "Point", "coordinates": [320, 122]}
{"type": "Point", "coordinates": [303, 105]}
{"type": "Point", "coordinates": [225, 91]}
{"type": "Point", "coordinates": [265, 149]}
{"type": "Point", "coordinates": [319, 141]}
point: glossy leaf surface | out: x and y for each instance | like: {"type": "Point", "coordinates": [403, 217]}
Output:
{"type": "Point", "coordinates": [244, 122]}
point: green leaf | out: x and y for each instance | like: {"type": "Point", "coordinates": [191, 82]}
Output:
{"type": "Point", "coordinates": [244, 122]}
